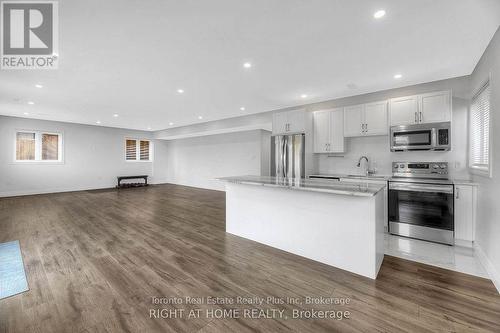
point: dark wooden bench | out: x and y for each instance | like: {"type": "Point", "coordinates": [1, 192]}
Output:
{"type": "Point", "coordinates": [120, 178]}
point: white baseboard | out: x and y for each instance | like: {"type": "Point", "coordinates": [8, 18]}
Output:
{"type": "Point", "coordinates": [488, 265]}
{"type": "Point", "coordinates": [48, 191]}
{"type": "Point", "coordinates": [196, 186]}
{"type": "Point", "coordinates": [60, 190]}
{"type": "Point", "coordinates": [464, 243]}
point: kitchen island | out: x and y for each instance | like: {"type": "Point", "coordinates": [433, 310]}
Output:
{"type": "Point", "coordinates": [337, 223]}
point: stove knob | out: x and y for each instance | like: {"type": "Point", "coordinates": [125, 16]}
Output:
{"type": "Point", "coordinates": [401, 166]}
{"type": "Point", "coordinates": [443, 166]}
{"type": "Point", "coordinates": [435, 166]}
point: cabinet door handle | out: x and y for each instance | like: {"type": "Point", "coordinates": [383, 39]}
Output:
{"type": "Point", "coordinates": [420, 116]}
{"type": "Point", "coordinates": [416, 117]}
{"type": "Point", "coordinates": [457, 193]}
{"type": "Point", "coordinates": [366, 128]}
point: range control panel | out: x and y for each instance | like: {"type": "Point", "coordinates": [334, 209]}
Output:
{"type": "Point", "coordinates": [420, 169]}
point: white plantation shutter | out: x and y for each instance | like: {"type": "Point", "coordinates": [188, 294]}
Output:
{"type": "Point", "coordinates": [138, 150]}
{"type": "Point", "coordinates": [144, 150]}
{"type": "Point", "coordinates": [479, 137]}
{"type": "Point", "coordinates": [131, 150]}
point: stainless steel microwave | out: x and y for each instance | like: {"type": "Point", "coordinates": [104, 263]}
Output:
{"type": "Point", "coordinates": [436, 136]}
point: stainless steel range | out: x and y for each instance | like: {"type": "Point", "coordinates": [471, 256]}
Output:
{"type": "Point", "coordinates": [421, 201]}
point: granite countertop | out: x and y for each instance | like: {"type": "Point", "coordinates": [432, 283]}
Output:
{"type": "Point", "coordinates": [311, 185]}
{"type": "Point", "coordinates": [452, 181]}
{"type": "Point", "coordinates": [464, 182]}
{"type": "Point", "coordinates": [339, 175]}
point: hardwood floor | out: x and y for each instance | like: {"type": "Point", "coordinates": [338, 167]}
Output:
{"type": "Point", "coordinates": [95, 259]}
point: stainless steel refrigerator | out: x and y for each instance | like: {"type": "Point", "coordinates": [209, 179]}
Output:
{"type": "Point", "coordinates": [288, 156]}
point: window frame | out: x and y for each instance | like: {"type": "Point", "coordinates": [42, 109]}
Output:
{"type": "Point", "coordinates": [38, 147]}
{"type": "Point", "coordinates": [138, 150]}
{"type": "Point", "coordinates": [475, 169]}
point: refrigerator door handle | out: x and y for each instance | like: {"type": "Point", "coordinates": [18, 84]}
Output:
{"type": "Point", "coordinates": [284, 154]}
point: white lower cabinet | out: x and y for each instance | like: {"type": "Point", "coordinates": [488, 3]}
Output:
{"type": "Point", "coordinates": [465, 214]}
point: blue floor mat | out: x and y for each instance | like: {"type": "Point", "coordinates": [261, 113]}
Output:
{"type": "Point", "coordinates": [12, 275]}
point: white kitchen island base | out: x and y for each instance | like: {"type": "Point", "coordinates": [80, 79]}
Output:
{"type": "Point", "coordinates": [345, 231]}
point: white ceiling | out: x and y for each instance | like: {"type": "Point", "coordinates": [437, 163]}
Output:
{"type": "Point", "coordinates": [130, 57]}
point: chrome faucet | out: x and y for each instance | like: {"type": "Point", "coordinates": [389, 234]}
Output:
{"type": "Point", "coordinates": [367, 172]}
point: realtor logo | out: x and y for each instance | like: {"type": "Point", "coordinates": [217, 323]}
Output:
{"type": "Point", "coordinates": [29, 33]}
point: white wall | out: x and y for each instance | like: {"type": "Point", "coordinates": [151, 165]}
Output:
{"type": "Point", "coordinates": [93, 158]}
{"type": "Point", "coordinates": [488, 218]}
{"type": "Point", "coordinates": [198, 161]}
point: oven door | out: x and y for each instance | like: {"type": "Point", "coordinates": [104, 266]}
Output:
{"type": "Point", "coordinates": [412, 139]}
{"type": "Point", "coordinates": [422, 211]}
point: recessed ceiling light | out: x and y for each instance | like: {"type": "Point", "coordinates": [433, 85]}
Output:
{"type": "Point", "coordinates": [38, 86]}
{"type": "Point", "coordinates": [242, 108]}
{"type": "Point", "coordinates": [200, 117]}
{"type": "Point", "coordinates": [26, 113]}
{"type": "Point", "coordinates": [170, 124]}
{"type": "Point", "coordinates": [247, 65]}
{"type": "Point", "coordinates": [398, 76]}
{"type": "Point", "coordinates": [115, 115]}
{"type": "Point", "coordinates": [31, 103]}
{"type": "Point", "coordinates": [303, 96]}
{"type": "Point", "coordinates": [180, 91]}
{"type": "Point", "coordinates": [98, 122]}
{"type": "Point", "coordinates": [379, 14]}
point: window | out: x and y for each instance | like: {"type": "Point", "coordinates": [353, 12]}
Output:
{"type": "Point", "coordinates": [37, 146]}
{"type": "Point", "coordinates": [137, 150]}
{"type": "Point", "coordinates": [144, 151]}
{"type": "Point", "coordinates": [479, 136]}
{"type": "Point", "coordinates": [131, 150]}
{"type": "Point", "coordinates": [25, 146]}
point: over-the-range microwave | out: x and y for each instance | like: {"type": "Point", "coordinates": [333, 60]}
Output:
{"type": "Point", "coordinates": [436, 136]}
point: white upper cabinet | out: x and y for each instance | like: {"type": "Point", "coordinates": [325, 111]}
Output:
{"type": "Point", "coordinates": [297, 121]}
{"type": "Point", "coordinates": [435, 107]}
{"type": "Point", "coordinates": [420, 109]}
{"type": "Point", "coordinates": [289, 122]}
{"type": "Point", "coordinates": [366, 119]}
{"type": "Point", "coordinates": [353, 120]}
{"type": "Point", "coordinates": [404, 110]}
{"type": "Point", "coordinates": [328, 131]}
{"type": "Point", "coordinates": [321, 131]}
{"type": "Point", "coordinates": [376, 118]}
{"type": "Point", "coordinates": [336, 131]}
